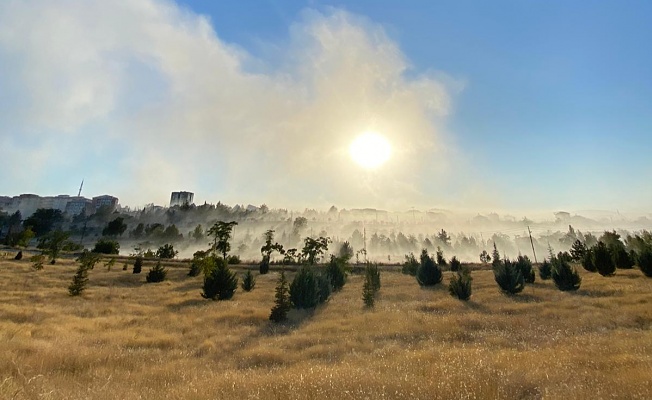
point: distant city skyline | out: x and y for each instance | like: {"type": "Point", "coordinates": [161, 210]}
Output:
{"type": "Point", "coordinates": [514, 107]}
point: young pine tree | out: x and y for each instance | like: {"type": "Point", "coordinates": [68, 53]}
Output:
{"type": "Point", "coordinates": [524, 264]}
{"type": "Point", "coordinates": [336, 272]}
{"type": "Point", "coordinates": [587, 261]}
{"type": "Point", "coordinates": [156, 274]}
{"type": "Point", "coordinates": [429, 273]}
{"type": "Point", "coordinates": [138, 265]}
{"type": "Point", "coordinates": [411, 265]}
{"type": "Point", "coordinates": [565, 276]}
{"type": "Point", "coordinates": [371, 285]}
{"type": "Point", "coordinates": [282, 303]}
{"type": "Point", "coordinates": [602, 260]}
{"type": "Point", "coordinates": [545, 270]}
{"type": "Point", "coordinates": [460, 284]}
{"type": "Point", "coordinates": [455, 264]}
{"type": "Point", "coordinates": [508, 277]}
{"type": "Point", "coordinates": [79, 281]}
{"type": "Point", "coordinates": [248, 282]}
{"type": "Point", "coordinates": [304, 289]}
{"type": "Point", "coordinates": [441, 261]}
{"type": "Point", "coordinates": [645, 261]}
{"type": "Point", "coordinates": [220, 283]}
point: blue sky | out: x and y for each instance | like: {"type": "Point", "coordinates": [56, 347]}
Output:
{"type": "Point", "coordinates": [541, 105]}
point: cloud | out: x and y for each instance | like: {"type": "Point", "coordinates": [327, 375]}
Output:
{"type": "Point", "coordinates": [145, 97]}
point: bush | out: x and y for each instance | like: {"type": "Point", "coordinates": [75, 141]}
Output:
{"type": "Point", "coordinates": [304, 289]}
{"type": "Point", "coordinates": [645, 262]}
{"type": "Point", "coordinates": [545, 270]}
{"type": "Point", "coordinates": [19, 255]}
{"type": "Point", "coordinates": [156, 274]}
{"type": "Point", "coordinates": [79, 281]}
{"type": "Point", "coordinates": [602, 260]}
{"type": "Point", "coordinates": [282, 303]}
{"type": "Point", "coordinates": [248, 282]}
{"type": "Point", "coordinates": [324, 287]}
{"type": "Point", "coordinates": [195, 268]}
{"type": "Point", "coordinates": [166, 251]}
{"type": "Point", "coordinates": [37, 261]}
{"type": "Point", "coordinates": [371, 285]}
{"type": "Point", "coordinates": [460, 284]}
{"type": "Point", "coordinates": [455, 264]}
{"type": "Point", "coordinates": [233, 259]}
{"type": "Point", "coordinates": [565, 276]}
{"type": "Point", "coordinates": [621, 258]}
{"type": "Point", "coordinates": [106, 246]}
{"type": "Point", "coordinates": [578, 250]}
{"type": "Point", "coordinates": [220, 283]}
{"type": "Point", "coordinates": [587, 261]}
{"type": "Point", "coordinates": [336, 272]}
{"type": "Point", "coordinates": [524, 264]}
{"type": "Point", "coordinates": [264, 265]}
{"type": "Point", "coordinates": [429, 273]}
{"type": "Point", "coordinates": [411, 265]}
{"type": "Point", "coordinates": [138, 265]}
{"type": "Point", "coordinates": [441, 261]}
{"type": "Point", "coordinates": [508, 276]}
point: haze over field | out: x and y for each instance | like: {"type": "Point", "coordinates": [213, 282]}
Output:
{"type": "Point", "coordinates": [500, 106]}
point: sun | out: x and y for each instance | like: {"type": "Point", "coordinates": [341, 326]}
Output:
{"type": "Point", "coordinates": [370, 150]}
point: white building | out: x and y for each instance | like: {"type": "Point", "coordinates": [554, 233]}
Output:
{"type": "Point", "coordinates": [181, 198]}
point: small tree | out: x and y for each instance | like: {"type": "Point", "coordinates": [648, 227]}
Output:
{"type": "Point", "coordinates": [508, 276]}
{"type": "Point", "coordinates": [621, 258]}
{"type": "Point", "coordinates": [314, 248]}
{"type": "Point", "coordinates": [495, 257]}
{"type": "Point", "coordinates": [524, 264]}
{"type": "Point", "coordinates": [248, 282]}
{"type": "Point", "coordinates": [282, 303]}
{"type": "Point", "coordinates": [602, 260]}
{"type": "Point", "coordinates": [545, 270]}
{"type": "Point", "coordinates": [429, 273]}
{"type": "Point", "coordinates": [578, 250]}
{"type": "Point", "coordinates": [371, 284]}
{"type": "Point", "coordinates": [336, 272]}
{"type": "Point", "coordinates": [221, 232]}
{"type": "Point", "coordinates": [37, 261]}
{"type": "Point", "coordinates": [220, 283]}
{"type": "Point", "coordinates": [587, 261]}
{"type": "Point", "coordinates": [115, 228]}
{"type": "Point", "coordinates": [346, 252]}
{"type": "Point", "coordinates": [79, 281]}
{"type": "Point", "coordinates": [485, 257]}
{"type": "Point", "coordinates": [441, 261]}
{"type": "Point", "coordinates": [52, 244]}
{"type": "Point", "coordinates": [138, 265]}
{"type": "Point", "coordinates": [106, 246]}
{"type": "Point", "coordinates": [460, 284]}
{"type": "Point", "coordinates": [304, 289]}
{"type": "Point", "coordinates": [565, 276]}
{"type": "Point", "coordinates": [156, 274]}
{"type": "Point", "coordinates": [645, 261]}
{"type": "Point", "coordinates": [166, 251]}
{"type": "Point", "coordinates": [411, 265]}
{"type": "Point", "coordinates": [455, 264]}
{"type": "Point", "coordinates": [267, 249]}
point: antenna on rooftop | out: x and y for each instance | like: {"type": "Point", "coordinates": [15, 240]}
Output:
{"type": "Point", "coordinates": [80, 188]}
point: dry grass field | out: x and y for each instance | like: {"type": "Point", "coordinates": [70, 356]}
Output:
{"type": "Point", "coordinates": [125, 339]}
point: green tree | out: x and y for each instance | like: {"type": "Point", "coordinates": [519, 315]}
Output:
{"type": "Point", "coordinates": [138, 265]}
{"type": "Point", "coordinates": [441, 261]}
{"type": "Point", "coordinates": [645, 261]}
{"type": "Point", "coordinates": [524, 264]}
{"type": "Point", "coordinates": [495, 257]}
{"type": "Point", "coordinates": [371, 285]}
{"type": "Point", "coordinates": [44, 220]}
{"type": "Point", "coordinates": [578, 250]}
{"type": "Point", "coordinates": [411, 265]}
{"type": "Point", "coordinates": [485, 257]}
{"type": "Point", "coordinates": [565, 276]}
{"type": "Point", "coordinates": [115, 228]}
{"type": "Point", "coordinates": [314, 248]}
{"type": "Point", "coordinates": [282, 303]}
{"type": "Point", "coordinates": [166, 251]}
{"type": "Point", "coordinates": [79, 281]}
{"type": "Point", "coordinates": [198, 233]}
{"type": "Point", "coordinates": [455, 264]}
{"type": "Point", "coordinates": [248, 282]}
{"type": "Point", "coordinates": [156, 274]}
{"type": "Point", "coordinates": [267, 249]}
{"type": "Point", "coordinates": [429, 273]}
{"type": "Point", "coordinates": [220, 283]}
{"type": "Point", "coordinates": [221, 232]}
{"type": "Point", "coordinates": [336, 272]}
{"type": "Point", "coordinates": [545, 270]}
{"type": "Point", "coordinates": [346, 252]}
{"type": "Point", "coordinates": [304, 289]}
{"type": "Point", "coordinates": [460, 284]}
{"type": "Point", "coordinates": [602, 260]}
{"type": "Point", "coordinates": [587, 261]}
{"type": "Point", "coordinates": [508, 276]}
{"type": "Point", "coordinates": [107, 246]}
{"type": "Point", "coordinates": [52, 243]}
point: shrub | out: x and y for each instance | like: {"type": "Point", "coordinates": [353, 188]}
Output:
{"type": "Point", "coordinates": [336, 272]}
{"type": "Point", "coordinates": [248, 282]}
{"type": "Point", "coordinates": [460, 284]}
{"type": "Point", "coordinates": [106, 246]}
{"type": "Point", "coordinates": [587, 261]}
{"type": "Point", "coordinates": [282, 303]}
{"type": "Point", "coordinates": [19, 255]}
{"type": "Point", "coordinates": [156, 274]}
{"type": "Point", "coordinates": [429, 273]}
{"type": "Point", "coordinates": [441, 261]}
{"type": "Point", "coordinates": [455, 264]}
{"type": "Point", "coordinates": [485, 257]}
{"type": "Point", "coordinates": [508, 276]}
{"type": "Point", "coordinates": [166, 251]}
{"type": "Point", "coordinates": [304, 289]}
{"type": "Point", "coordinates": [411, 265]}
{"type": "Point", "coordinates": [220, 283]}
{"type": "Point", "coordinates": [195, 268]}
{"type": "Point", "coordinates": [264, 265]}
{"type": "Point", "coordinates": [324, 287]}
{"type": "Point", "coordinates": [524, 264]}
{"type": "Point", "coordinates": [578, 250]}
{"type": "Point", "coordinates": [621, 258]}
{"type": "Point", "coordinates": [37, 261]}
{"type": "Point", "coordinates": [565, 276]}
{"type": "Point", "coordinates": [79, 281]}
{"type": "Point", "coordinates": [545, 270]}
{"type": "Point", "coordinates": [138, 265]}
{"type": "Point", "coordinates": [602, 260]}
{"type": "Point", "coordinates": [371, 284]}
{"type": "Point", "coordinates": [645, 261]}
{"type": "Point", "coordinates": [233, 259]}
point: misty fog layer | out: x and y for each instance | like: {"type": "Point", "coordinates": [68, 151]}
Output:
{"type": "Point", "coordinates": [147, 98]}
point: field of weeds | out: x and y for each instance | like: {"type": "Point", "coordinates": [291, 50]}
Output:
{"type": "Point", "coordinates": [125, 339]}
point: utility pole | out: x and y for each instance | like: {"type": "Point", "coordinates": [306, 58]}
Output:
{"type": "Point", "coordinates": [80, 188]}
{"type": "Point", "coordinates": [532, 243]}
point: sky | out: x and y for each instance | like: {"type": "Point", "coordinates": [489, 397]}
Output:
{"type": "Point", "coordinates": [512, 106]}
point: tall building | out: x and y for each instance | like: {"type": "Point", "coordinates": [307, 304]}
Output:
{"type": "Point", "coordinates": [105, 200]}
{"type": "Point", "coordinates": [181, 198]}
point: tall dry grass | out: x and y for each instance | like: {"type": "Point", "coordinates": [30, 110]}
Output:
{"type": "Point", "coordinates": [125, 339]}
